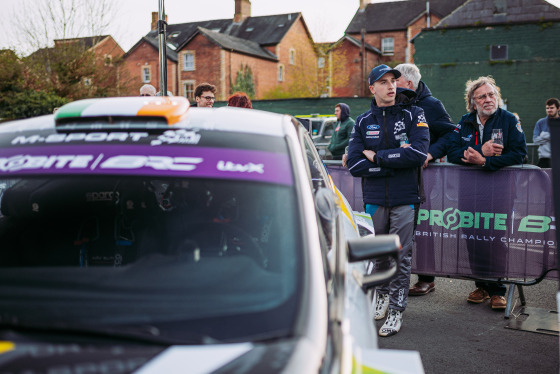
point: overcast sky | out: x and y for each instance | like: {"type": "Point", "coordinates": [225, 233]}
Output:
{"type": "Point", "coordinates": [326, 19]}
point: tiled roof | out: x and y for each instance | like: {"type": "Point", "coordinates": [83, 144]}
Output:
{"type": "Point", "coordinates": [358, 43]}
{"type": "Point", "coordinates": [237, 44]}
{"type": "Point", "coordinates": [493, 12]}
{"type": "Point", "coordinates": [263, 30]}
{"type": "Point", "coordinates": [87, 42]}
{"type": "Point", "coordinates": [397, 15]}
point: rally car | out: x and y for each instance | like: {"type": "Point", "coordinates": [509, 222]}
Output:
{"type": "Point", "coordinates": [141, 235]}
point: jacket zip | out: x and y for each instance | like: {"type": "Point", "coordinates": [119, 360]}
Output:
{"type": "Point", "coordinates": [386, 147]}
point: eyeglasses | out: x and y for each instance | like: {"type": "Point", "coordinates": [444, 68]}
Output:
{"type": "Point", "coordinates": [209, 98]}
{"type": "Point", "coordinates": [490, 95]}
{"type": "Point", "coordinates": [146, 95]}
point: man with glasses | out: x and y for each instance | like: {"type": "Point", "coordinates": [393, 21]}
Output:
{"type": "Point", "coordinates": [205, 95]}
{"type": "Point", "coordinates": [471, 143]}
{"type": "Point", "coordinates": [147, 90]}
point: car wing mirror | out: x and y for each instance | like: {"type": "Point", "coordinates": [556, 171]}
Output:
{"type": "Point", "coordinates": [370, 248]}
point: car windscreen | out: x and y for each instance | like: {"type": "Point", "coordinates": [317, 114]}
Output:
{"type": "Point", "coordinates": [131, 250]}
{"type": "Point", "coordinates": [188, 240]}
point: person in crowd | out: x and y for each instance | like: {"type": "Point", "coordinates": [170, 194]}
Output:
{"type": "Point", "coordinates": [342, 130]}
{"type": "Point", "coordinates": [541, 134]}
{"type": "Point", "coordinates": [441, 126]}
{"type": "Point", "coordinates": [205, 95]}
{"type": "Point", "coordinates": [169, 93]}
{"type": "Point", "coordinates": [472, 144]}
{"type": "Point", "coordinates": [388, 146]}
{"type": "Point", "coordinates": [240, 99]}
{"type": "Point", "coordinates": [147, 90]}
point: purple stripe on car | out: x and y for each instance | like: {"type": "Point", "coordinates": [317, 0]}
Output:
{"type": "Point", "coordinates": [161, 161]}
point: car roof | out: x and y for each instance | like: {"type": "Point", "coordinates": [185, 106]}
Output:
{"type": "Point", "coordinates": [174, 111]}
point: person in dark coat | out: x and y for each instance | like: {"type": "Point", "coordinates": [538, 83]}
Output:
{"type": "Point", "coordinates": [342, 131]}
{"type": "Point", "coordinates": [472, 144]}
{"type": "Point", "coordinates": [441, 126]}
{"type": "Point", "coordinates": [387, 148]}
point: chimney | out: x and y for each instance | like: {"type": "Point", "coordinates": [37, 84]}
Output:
{"type": "Point", "coordinates": [242, 10]}
{"type": "Point", "coordinates": [155, 16]}
{"type": "Point", "coordinates": [363, 4]}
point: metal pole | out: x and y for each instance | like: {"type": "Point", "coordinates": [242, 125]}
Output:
{"type": "Point", "coordinates": [162, 25]}
{"type": "Point", "coordinates": [428, 13]}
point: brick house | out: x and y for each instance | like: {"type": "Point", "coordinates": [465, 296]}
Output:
{"type": "Point", "coordinates": [350, 62]}
{"type": "Point", "coordinates": [390, 26]}
{"type": "Point", "coordinates": [515, 42]}
{"type": "Point", "coordinates": [278, 49]}
{"type": "Point", "coordinates": [94, 59]}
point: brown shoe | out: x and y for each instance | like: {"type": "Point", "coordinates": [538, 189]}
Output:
{"type": "Point", "coordinates": [498, 302]}
{"type": "Point", "coordinates": [478, 296]}
{"type": "Point", "coordinates": [421, 288]}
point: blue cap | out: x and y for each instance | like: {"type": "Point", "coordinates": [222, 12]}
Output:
{"type": "Point", "coordinates": [379, 71]}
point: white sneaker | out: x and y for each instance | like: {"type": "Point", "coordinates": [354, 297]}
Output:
{"type": "Point", "coordinates": [392, 324]}
{"type": "Point", "coordinates": [381, 306]}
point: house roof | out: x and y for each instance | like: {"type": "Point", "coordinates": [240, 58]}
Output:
{"type": "Point", "coordinates": [237, 44]}
{"type": "Point", "coordinates": [87, 42]}
{"type": "Point", "coordinates": [493, 12]}
{"type": "Point", "coordinates": [263, 30]}
{"type": "Point", "coordinates": [358, 44]}
{"type": "Point", "coordinates": [397, 15]}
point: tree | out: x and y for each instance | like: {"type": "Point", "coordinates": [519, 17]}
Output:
{"type": "Point", "coordinates": [41, 22]}
{"type": "Point", "coordinates": [244, 81]}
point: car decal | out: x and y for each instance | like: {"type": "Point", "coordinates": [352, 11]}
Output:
{"type": "Point", "coordinates": [195, 359]}
{"type": "Point", "coordinates": [6, 346]}
{"type": "Point", "coordinates": [172, 108]}
{"type": "Point", "coordinates": [146, 160]}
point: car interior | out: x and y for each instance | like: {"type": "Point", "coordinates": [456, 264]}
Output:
{"type": "Point", "coordinates": [115, 220]}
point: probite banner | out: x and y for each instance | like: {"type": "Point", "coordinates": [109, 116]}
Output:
{"type": "Point", "coordinates": [478, 223]}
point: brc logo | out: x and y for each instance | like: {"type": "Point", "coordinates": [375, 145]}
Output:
{"type": "Point", "coordinates": [453, 219]}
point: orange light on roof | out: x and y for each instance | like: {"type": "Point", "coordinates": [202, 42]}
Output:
{"type": "Point", "coordinates": [173, 108]}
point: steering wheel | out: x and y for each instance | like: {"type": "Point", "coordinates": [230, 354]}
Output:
{"type": "Point", "coordinates": [226, 238]}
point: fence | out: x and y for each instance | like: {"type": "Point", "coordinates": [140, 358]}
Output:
{"type": "Point", "coordinates": [478, 224]}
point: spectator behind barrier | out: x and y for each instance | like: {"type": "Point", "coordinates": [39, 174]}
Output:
{"type": "Point", "coordinates": [441, 126]}
{"type": "Point", "coordinates": [541, 134]}
{"type": "Point", "coordinates": [472, 143]}
{"type": "Point", "coordinates": [240, 99]}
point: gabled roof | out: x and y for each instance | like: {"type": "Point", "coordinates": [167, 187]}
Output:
{"type": "Point", "coordinates": [397, 15]}
{"type": "Point", "coordinates": [358, 44]}
{"type": "Point", "coordinates": [234, 43]}
{"type": "Point", "coordinates": [154, 42]}
{"type": "Point", "coordinates": [495, 12]}
{"type": "Point", "coordinates": [266, 30]}
{"type": "Point", "coordinates": [87, 42]}
{"type": "Point", "coordinates": [263, 30]}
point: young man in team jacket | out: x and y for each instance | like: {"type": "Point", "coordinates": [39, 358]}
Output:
{"type": "Point", "coordinates": [387, 148]}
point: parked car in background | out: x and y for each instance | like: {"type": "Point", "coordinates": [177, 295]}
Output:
{"type": "Point", "coordinates": [321, 128]}
{"type": "Point", "coordinates": [141, 235]}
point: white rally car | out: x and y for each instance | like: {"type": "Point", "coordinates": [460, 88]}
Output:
{"type": "Point", "coordinates": [141, 235]}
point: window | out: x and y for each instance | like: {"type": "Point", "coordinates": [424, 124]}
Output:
{"type": "Point", "coordinates": [188, 61]}
{"type": "Point", "coordinates": [86, 81]}
{"type": "Point", "coordinates": [108, 60]}
{"type": "Point", "coordinates": [292, 56]}
{"type": "Point", "coordinates": [146, 74]}
{"type": "Point", "coordinates": [387, 46]}
{"type": "Point", "coordinates": [321, 62]}
{"type": "Point", "coordinates": [280, 73]}
{"type": "Point", "coordinates": [188, 89]}
{"type": "Point", "coordinates": [499, 52]}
